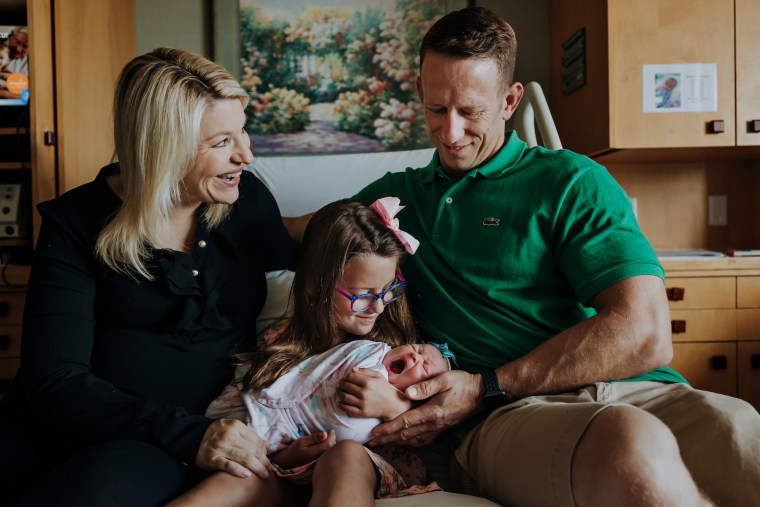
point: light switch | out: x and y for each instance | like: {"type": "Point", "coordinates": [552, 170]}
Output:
{"type": "Point", "coordinates": [717, 210]}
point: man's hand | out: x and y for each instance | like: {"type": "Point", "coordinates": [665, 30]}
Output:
{"type": "Point", "coordinates": [304, 450]}
{"type": "Point", "coordinates": [455, 396]}
{"type": "Point", "coordinates": [366, 393]}
{"type": "Point", "coordinates": [231, 446]}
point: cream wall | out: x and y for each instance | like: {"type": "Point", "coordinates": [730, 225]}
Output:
{"type": "Point", "coordinates": [184, 24]}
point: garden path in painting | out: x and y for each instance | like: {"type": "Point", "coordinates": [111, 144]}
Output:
{"type": "Point", "coordinates": [319, 137]}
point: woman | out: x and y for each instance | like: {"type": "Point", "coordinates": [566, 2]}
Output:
{"type": "Point", "coordinates": [144, 282]}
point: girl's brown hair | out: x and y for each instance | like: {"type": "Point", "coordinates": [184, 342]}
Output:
{"type": "Point", "coordinates": [337, 233]}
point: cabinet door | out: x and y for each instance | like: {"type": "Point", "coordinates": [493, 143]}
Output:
{"type": "Point", "coordinates": [93, 41]}
{"type": "Point", "coordinates": [749, 372]}
{"type": "Point", "coordinates": [707, 366]}
{"type": "Point", "coordinates": [672, 32]}
{"type": "Point", "coordinates": [747, 65]}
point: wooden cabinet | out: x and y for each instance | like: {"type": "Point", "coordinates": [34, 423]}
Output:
{"type": "Point", "coordinates": [620, 37]}
{"type": "Point", "coordinates": [78, 47]}
{"type": "Point", "coordinates": [715, 319]}
{"type": "Point", "coordinates": [12, 294]}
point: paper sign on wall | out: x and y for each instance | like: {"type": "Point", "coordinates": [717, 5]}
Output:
{"type": "Point", "coordinates": [680, 87]}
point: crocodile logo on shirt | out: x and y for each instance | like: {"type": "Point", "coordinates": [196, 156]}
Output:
{"type": "Point", "coordinates": [491, 221]}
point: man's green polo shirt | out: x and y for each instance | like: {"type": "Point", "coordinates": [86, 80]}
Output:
{"type": "Point", "coordinates": [510, 252]}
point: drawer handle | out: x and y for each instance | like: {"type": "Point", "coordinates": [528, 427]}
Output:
{"type": "Point", "coordinates": [678, 326]}
{"type": "Point", "coordinates": [753, 126]}
{"type": "Point", "coordinates": [715, 127]}
{"type": "Point", "coordinates": [5, 342]}
{"type": "Point", "coordinates": [675, 293]}
{"type": "Point", "coordinates": [719, 362]}
{"type": "Point", "coordinates": [4, 308]}
{"type": "Point", "coordinates": [754, 361]}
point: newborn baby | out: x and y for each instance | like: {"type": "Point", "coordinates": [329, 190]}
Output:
{"type": "Point", "coordinates": [304, 400]}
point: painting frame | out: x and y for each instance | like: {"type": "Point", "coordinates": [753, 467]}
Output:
{"type": "Point", "coordinates": [333, 99]}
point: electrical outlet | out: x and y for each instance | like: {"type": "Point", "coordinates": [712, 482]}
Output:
{"type": "Point", "coordinates": [717, 206]}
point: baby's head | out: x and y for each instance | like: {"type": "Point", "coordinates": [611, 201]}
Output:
{"type": "Point", "coordinates": [410, 364]}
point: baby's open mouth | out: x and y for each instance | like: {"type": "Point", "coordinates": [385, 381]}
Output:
{"type": "Point", "coordinates": [397, 366]}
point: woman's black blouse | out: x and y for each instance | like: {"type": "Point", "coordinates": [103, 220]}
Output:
{"type": "Point", "coordinates": [106, 357]}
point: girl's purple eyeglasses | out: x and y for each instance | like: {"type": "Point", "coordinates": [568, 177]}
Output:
{"type": "Point", "coordinates": [364, 302]}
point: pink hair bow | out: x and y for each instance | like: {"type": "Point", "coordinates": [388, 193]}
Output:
{"type": "Point", "coordinates": [387, 207]}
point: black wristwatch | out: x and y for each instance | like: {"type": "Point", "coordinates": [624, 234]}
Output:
{"type": "Point", "coordinates": [495, 396]}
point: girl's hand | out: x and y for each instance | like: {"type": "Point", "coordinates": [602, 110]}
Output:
{"type": "Point", "coordinates": [231, 446]}
{"type": "Point", "coordinates": [366, 393]}
{"type": "Point", "coordinates": [304, 450]}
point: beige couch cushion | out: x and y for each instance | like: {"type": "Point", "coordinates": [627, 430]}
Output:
{"type": "Point", "coordinates": [436, 499]}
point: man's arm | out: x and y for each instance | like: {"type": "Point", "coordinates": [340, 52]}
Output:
{"type": "Point", "coordinates": [296, 226]}
{"type": "Point", "coordinates": [629, 335]}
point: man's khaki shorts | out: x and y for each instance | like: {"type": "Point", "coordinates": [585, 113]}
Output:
{"type": "Point", "coordinates": [522, 454]}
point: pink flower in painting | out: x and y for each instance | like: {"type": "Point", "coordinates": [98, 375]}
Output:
{"type": "Point", "coordinates": [378, 86]}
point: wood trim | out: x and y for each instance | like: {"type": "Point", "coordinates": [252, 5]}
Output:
{"type": "Point", "coordinates": [42, 105]}
{"type": "Point", "coordinates": [747, 65]}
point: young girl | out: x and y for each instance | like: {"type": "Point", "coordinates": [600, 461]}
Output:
{"type": "Point", "coordinates": [346, 286]}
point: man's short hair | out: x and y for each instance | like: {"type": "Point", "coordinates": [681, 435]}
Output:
{"type": "Point", "coordinates": [474, 32]}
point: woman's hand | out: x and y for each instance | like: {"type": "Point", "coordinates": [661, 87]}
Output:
{"type": "Point", "coordinates": [231, 446]}
{"type": "Point", "coordinates": [304, 450]}
{"type": "Point", "coordinates": [366, 393]}
{"type": "Point", "coordinates": [455, 396]}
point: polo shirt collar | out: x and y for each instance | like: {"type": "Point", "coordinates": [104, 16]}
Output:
{"type": "Point", "coordinates": [508, 157]}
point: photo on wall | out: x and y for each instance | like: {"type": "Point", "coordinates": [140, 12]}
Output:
{"type": "Point", "coordinates": [331, 76]}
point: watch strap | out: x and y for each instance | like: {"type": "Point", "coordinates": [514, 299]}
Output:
{"type": "Point", "coordinates": [495, 396]}
{"type": "Point", "coordinates": [491, 383]}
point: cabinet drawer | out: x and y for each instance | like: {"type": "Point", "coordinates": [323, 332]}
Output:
{"type": "Point", "coordinates": [10, 341]}
{"type": "Point", "coordinates": [11, 307]}
{"type": "Point", "coordinates": [703, 325]}
{"type": "Point", "coordinates": [8, 368]}
{"type": "Point", "coordinates": [706, 292]}
{"type": "Point", "coordinates": [748, 324]}
{"type": "Point", "coordinates": [749, 372]}
{"type": "Point", "coordinates": [16, 276]}
{"type": "Point", "coordinates": [708, 366]}
{"type": "Point", "coordinates": [748, 292]}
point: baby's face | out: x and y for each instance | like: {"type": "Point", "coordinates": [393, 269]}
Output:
{"type": "Point", "coordinates": [409, 364]}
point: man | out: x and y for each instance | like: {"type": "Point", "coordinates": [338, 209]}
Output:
{"type": "Point", "coordinates": [533, 268]}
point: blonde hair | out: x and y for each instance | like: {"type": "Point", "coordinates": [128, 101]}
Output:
{"type": "Point", "coordinates": [159, 102]}
{"type": "Point", "coordinates": [337, 233]}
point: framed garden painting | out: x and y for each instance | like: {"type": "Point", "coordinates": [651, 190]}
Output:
{"type": "Point", "coordinates": [328, 76]}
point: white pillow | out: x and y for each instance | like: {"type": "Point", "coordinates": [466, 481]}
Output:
{"type": "Point", "coordinates": [278, 304]}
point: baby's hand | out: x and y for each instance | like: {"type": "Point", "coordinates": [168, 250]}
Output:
{"type": "Point", "coordinates": [366, 393]}
{"type": "Point", "coordinates": [304, 450]}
